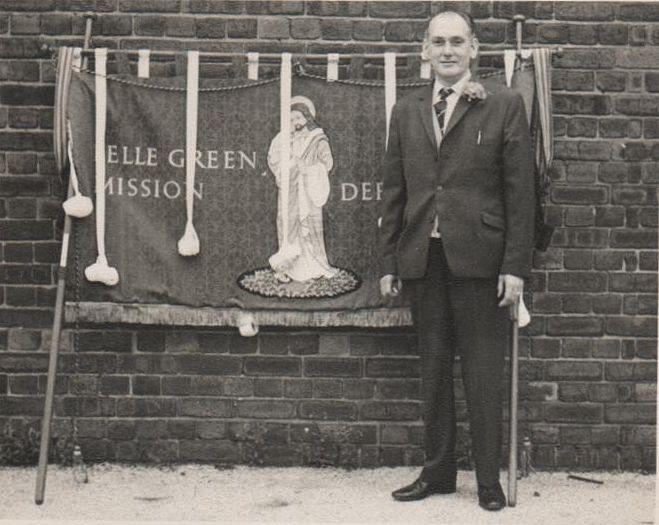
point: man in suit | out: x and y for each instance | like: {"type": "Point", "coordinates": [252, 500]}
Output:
{"type": "Point", "coordinates": [457, 231]}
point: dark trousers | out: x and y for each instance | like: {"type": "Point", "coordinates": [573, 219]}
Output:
{"type": "Point", "coordinates": [460, 315]}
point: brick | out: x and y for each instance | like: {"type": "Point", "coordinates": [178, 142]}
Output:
{"type": "Point", "coordinates": [146, 385]}
{"type": "Point", "coordinates": [207, 385]}
{"type": "Point", "coordinates": [612, 34]}
{"type": "Point", "coordinates": [305, 28]}
{"type": "Point", "coordinates": [638, 435]}
{"type": "Point", "coordinates": [298, 388]}
{"type": "Point", "coordinates": [566, 80]}
{"type": "Point", "coordinates": [607, 304]}
{"type": "Point", "coordinates": [333, 345]}
{"type": "Point", "coordinates": [578, 259]}
{"type": "Point", "coordinates": [579, 195]}
{"type": "Point", "coordinates": [242, 345]}
{"type": "Point", "coordinates": [631, 326]}
{"type": "Point", "coordinates": [582, 104]}
{"type": "Point", "coordinates": [284, 366]}
{"type": "Point", "coordinates": [26, 229]}
{"type": "Point", "coordinates": [545, 348]}
{"type": "Point", "coordinates": [399, 389]}
{"type": "Point", "coordinates": [389, 411]}
{"type": "Point", "coordinates": [114, 385]}
{"type": "Point", "coordinates": [238, 386]}
{"type": "Point", "coordinates": [23, 118]}
{"type": "Point", "coordinates": [210, 28]}
{"type": "Point", "coordinates": [21, 70]}
{"type": "Point", "coordinates": [21, 95]}
{"type": "Point", "coordinates": [209, 450]}
{"type": "Point", "coordinates": [336, 29]}
{"type": "Point", "coordinates": [575, 435]}
{"type": "Point", "coordinates": [392, 367]}
{"type": "Point", "coordinates": [645, 392]}
{"type": "Point", "coordinates": [150, 6]}
{"type": "Point", "coordinates": [23, 141]}
{"type": "Point", "coordinates": [574, 370]}
{"type": "Point", "coordinates": [208, 364]}
{"type": "Point", "coordinates": [241, 28]}
{"type": "Point", "coordinates": [577, 281]}
{"type": "Point", "coordinates": [152, 26]}
{"type": "Point", "coordinates": [273, 28]}
{"type": "Point", "coordinates": [611, 80]}
{"type": "Point", "coordinates": [180, 26]}
{"type": "Point", "coordinates": [234, 7]}
{"type": "Point", "coordinates": [582, 34]}
{"type": "Point", "coordinates": [651, 128]}
{"type": "Point", "coordinates": [542, 433]}
{"type": "Point", "coordinates": [581, 127]}
{"type": "Point", "coordinates": [176, 386]}
{"type": "Point", "coordinates": [151, 341]}
{"type": "Point", "coordinates": [205, 407]}
{"type": "Point", "coordinates": [105, 341]}
{"type": "Point", "coordinates": [641, 11]}
{"type": "Point", "coordinates": [268, 387]}
{"type": "Point", "coordinates": [211, 429]}
{"type": "Point", "coordinates": [642, 413]}
{"type": "Point", "coordinates": [636, 58]}
{"type": "Point", "coordinates": [327, 388]}
{"type": "Point", "coordinates": [553, 33]}
{"type": "Point", "coordinates": [20, 296]}
{"type": "Point", "coordinates": [633, 282]}
{"type": "Point", "coordinates": [145, 364]}
{"type": "Point", "coordinates": [25, 24]}
{"type": "Point", "coordinates": [332, 367]}
{"type": "Point", "coordinates": [633, 239]}
{"type": "Point", "coordinates": [648, 261]}
{"type": "Point", "coordinates": [615, 128]}
{"type": "Point", "coordinates": [371, 30]}
{"type": "Point", "coordinates": [584, 11]}
{"type": "Point", "coordinates": [336, 8]}
{"type": "Point", "coordinates": [603, 393]}
{"type": "Point", "coordinates": [328, 410]}
{"type": "Point", "coordinates": [21, 252]}
{"type": "Point", "coordinates": [56, 24]}
{"type": "Point", "coordinates": [580, 216]}
{"type": "Point", "coordinates": [213, 343]}
{"type": "Point", "coordinates": [577, 348]}
{"type": "Point", "coordinates": [575, 326]}
{"type": "Point", "coordinates": [573, 413]}
{"type": "Point", "coordinates": [409, 9]}
{"type": "Point", "coordinates": [358, 389]}
{"type": "Point", "coordinates": [652, 81]}
{"type": "Point", "coordinates": [634, 371]}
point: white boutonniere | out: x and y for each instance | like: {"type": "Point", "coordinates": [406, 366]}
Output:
{"type": "Point", "coordinates": [474, 91]}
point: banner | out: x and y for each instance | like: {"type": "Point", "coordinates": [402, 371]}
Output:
{"type": "Point", "coordinates": [298, 244]}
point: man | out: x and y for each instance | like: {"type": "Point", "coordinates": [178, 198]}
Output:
{"type": "Point", "coordinates": [457, 230]}
{"type": "Point", "coordinates": [308, 191]}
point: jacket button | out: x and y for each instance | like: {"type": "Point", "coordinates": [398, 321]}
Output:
{"type": "Point", "coordinates": [440, 188]}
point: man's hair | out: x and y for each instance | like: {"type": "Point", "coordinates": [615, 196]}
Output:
{"type": "Point", "coordinates": [462, 14]}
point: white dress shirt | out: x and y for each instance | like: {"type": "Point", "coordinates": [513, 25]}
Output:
{"type": "Point", "coordinates": [451, 102]}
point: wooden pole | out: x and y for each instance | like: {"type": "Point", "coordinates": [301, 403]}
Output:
{"type": "Point", "coordinates": [514, 371]}
{"type": "Point", "coordinates": [56, 332]}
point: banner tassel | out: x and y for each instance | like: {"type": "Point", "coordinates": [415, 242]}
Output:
{"type": "Point", "coordinates": [77, 205]}
{"type": "Point", "coordinates": [101, 271]}
{"type": "Point", "coordinates": [188, 245]}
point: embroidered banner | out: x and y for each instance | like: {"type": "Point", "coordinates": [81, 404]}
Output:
{"type": "Point", "coordinates": [301, 249]}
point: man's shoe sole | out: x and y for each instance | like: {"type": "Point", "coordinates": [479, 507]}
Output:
{"type": "Point", "coordinates": [430, 493]}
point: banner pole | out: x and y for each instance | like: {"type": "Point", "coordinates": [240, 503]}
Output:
{"type": "Point", "coordinates": [56, 332]}
{"type": "Point", "coordinates": [514, 372]}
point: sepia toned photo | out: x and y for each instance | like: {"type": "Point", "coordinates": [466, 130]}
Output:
{"type": "Point", "coordinates": [357, 261]}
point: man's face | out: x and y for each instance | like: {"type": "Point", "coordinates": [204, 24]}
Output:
{"type": "Point", "coordinates": [298, 121]}
{"type": "Point", "coordinates": [450, 47]}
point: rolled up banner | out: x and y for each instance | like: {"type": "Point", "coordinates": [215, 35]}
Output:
{"type": "Point", "coordinates": [143, 63]}
{"type": "Point", "coordinates": [389, 87]}
{"type": "Point", "coordinates": [332, 67]}
{"type": "Point", "coordinates": [253, 66]}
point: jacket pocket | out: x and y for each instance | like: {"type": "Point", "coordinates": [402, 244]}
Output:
{"type": "Point", "coordinates": [496, 221]}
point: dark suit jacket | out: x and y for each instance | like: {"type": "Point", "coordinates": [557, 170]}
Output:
{"type": "Point", "coordinates": [482, 193]}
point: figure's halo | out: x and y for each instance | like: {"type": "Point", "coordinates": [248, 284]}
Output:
{"type": "Point", "coordinates": [263, 282]}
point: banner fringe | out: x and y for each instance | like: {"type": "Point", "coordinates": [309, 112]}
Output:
{"type": "Point", "coordinates": [177, 315]}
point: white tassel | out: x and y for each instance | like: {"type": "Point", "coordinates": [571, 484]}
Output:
{"type": "Point", "coordinates": [247, 324]}
{"type": "Point", "coordinates": [101, 272]}
{"type": "Point", "coordinates": [188, 245]}
{"type": "Point", "coordinates": [523, 316]}
{"type": "Point", "coordinates": [77, 205]}
{"type": "Point", "coordinates": [509, 57]}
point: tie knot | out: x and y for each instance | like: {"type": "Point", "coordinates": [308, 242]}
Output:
{"type": "Point", "coordinates": [444, 93]}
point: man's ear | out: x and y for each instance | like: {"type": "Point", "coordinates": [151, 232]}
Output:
{"type": "Point", "coordinates": [474, 48]}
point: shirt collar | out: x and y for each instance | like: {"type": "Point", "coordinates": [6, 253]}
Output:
{"type": "Point", "coordinates": [458, 87]}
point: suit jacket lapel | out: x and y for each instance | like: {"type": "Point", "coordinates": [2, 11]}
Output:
{"type": "Point", "coordinates": [460, 109]}
{"type": "Point", "coordinates": [426, 114]}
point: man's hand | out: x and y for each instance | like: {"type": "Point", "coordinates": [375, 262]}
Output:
{"type": "Point", "coordinates": [510, 287]}
{"type": "Point", "coordinates": [390, 286]}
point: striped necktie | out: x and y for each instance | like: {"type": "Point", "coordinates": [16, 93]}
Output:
{"type": "Point", "coordinates": [440, 106]}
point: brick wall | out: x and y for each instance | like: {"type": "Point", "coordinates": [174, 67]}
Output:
{"type": "Point", "coordinates": [588, 370]}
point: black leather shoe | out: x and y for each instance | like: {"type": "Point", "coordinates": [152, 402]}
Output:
{"type": "Point", "coordinates": [491, 498]}
{"type": "Point", "coordinates": [421, 489]}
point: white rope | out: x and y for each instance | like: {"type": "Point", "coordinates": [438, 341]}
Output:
{"type": "Point", "coordinates": [189, 244]}
{"type": "Point", "coordinates": [253, 66]}
{"type": "Point", "coordinates": [77, 205]}
{"type": "Point", "coordinates": [100, 271]}
{"type": "Point", "coordinates": [332, 67]}
{"type": "Point", "coordinates": [389, 88]}
{"type": "Point", "coordinates": [143, 63]}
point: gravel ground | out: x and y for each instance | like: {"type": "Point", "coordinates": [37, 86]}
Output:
{"type": "Point", "coordinates": [200, 493]}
